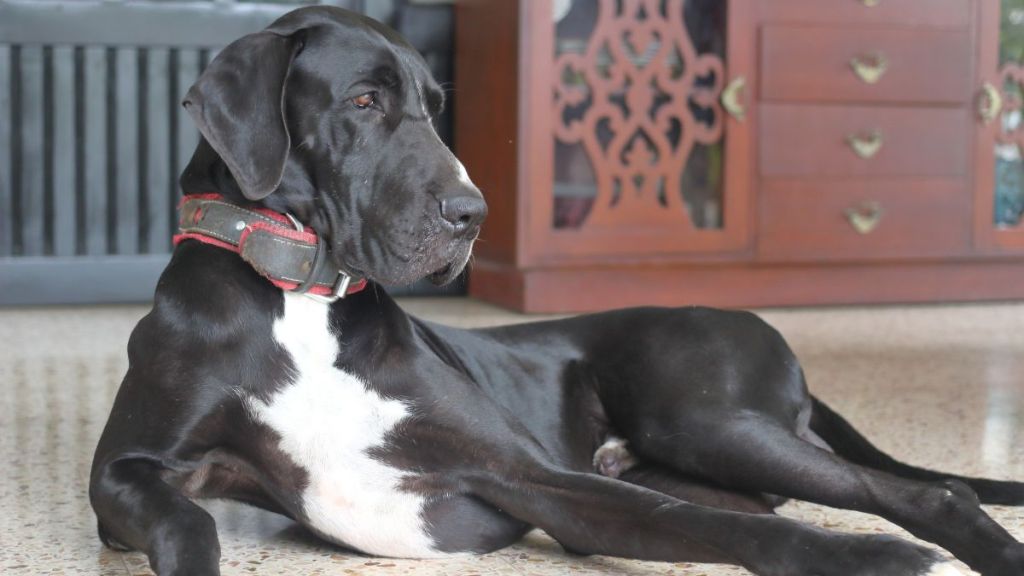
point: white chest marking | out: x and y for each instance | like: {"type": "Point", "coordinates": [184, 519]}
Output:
{"type": "Point", "coordinates": [327, 420]}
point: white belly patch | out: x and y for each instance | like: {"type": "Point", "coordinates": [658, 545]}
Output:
{"type": "Point", "coordinates": [327, 420]}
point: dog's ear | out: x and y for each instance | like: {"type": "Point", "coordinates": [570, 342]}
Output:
{"type": "Point", "coordinates": [238, 105]}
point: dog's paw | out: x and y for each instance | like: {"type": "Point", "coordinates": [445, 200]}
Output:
{"type": "Point", "coordinates": [868, 555]}
{"type": "Point", "coordinates": [613, 458]}
{"type": "Point", "coordinates": [1010, 562]}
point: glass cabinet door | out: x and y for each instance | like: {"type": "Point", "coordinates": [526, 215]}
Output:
{"type": "Point", "coordinates": [637, 131]}
{"type": "Point", "coordinates": [999, 205]}
{"type": "Point", "coordinates": [643, 105]}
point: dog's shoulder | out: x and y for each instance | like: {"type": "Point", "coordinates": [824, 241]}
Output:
{"type": "Point", "coordinates": [208, 296]}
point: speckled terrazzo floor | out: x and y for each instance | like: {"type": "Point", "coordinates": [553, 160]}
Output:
{"type": "Point", "coordinates": [941, 386]}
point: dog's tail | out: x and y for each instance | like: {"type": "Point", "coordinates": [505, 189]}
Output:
{"type": "Point", "coordinates": [851, 445]}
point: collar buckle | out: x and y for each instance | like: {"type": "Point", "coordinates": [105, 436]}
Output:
{"type": "Point", "coordinates": [340, 288]}
{"type": "Point", "coordinates": [341, 285]}
{"type": "Point", "coordinates": [338, 291]}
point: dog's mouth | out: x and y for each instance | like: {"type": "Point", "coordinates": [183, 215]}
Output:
{"type": "Point", "coordinates": [453, 268]}
{"type": "Point", "coordinates": [439, 265]}
{"type": "Point", "coordinates": [444, 275]}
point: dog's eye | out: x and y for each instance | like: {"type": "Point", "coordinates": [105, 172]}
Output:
{"type": "Point", "coordinates": [364, 101]}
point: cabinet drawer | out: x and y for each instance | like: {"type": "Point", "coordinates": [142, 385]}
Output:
{"type": "Point", "coordinates": [798, 140]}
{"type": "Point", "coordinates": [939, 13]}
{"type": "Point", "coordinates": [904, 65]}
{"type": "Point", "coordinates": [808, 219]}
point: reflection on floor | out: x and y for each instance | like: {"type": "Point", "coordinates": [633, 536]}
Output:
{"type": "Point", "coordinates": [941, 386]}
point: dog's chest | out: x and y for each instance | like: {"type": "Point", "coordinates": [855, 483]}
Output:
{"type": "Point", "coordinates": [328, 422]}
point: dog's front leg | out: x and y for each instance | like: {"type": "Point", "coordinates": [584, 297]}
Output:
{"type": "Point", "coordinates": [591, 514]}
{"type": "Point", "coordinates": [137, 509]}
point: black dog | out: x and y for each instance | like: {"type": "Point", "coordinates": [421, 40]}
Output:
{"type": "Point", "coordinates": [646, 433]}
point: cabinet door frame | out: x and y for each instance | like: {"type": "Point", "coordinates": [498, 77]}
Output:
{"type": "Point", "coordinates": [987, 237]}
{"type": "Point", "coordinates": [543, 245]}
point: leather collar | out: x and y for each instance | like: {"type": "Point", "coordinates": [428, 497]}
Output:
{"type": "Point", "coordinates": [292, 257]}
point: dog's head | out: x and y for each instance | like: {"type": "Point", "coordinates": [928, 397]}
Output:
{"type": "Point", "coordinates": [329, 116]}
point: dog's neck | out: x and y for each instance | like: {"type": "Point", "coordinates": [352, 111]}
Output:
{"type": "Point", "coordinates": [290, 256]}
{"type": "Point", "coordinates": [257, 232]}
{"type": "Point", "coordinates": [207, 173]}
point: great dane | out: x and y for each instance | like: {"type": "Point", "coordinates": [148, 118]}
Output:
{"type": "Point", "coordinates": [264, 374]}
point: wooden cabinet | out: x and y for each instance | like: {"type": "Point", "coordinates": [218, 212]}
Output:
{"type": "Point", "coordinates": [741, 153]}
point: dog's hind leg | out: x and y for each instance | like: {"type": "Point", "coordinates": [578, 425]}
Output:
{"type": "Point", "coordinates": [614, 459]}
{"type": "Point", "coordinates": [138, 510]}
{"type": "Point", "coordinates": [748, 451]}
{"type": "Point", "coordinates": [590, 514]}
{"type": "Point", "coordinates": [852, 446]}
{"type": "Point", "coordinates": [667, 481]}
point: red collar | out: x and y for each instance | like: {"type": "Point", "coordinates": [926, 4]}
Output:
{"type": "Point", "coordinates": [291, 257]}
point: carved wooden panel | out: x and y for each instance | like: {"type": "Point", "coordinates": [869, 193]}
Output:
{"type": "Point", "coordinates": [638, 125]}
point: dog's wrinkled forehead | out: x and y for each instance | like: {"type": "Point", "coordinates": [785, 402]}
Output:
{"type": "Point", "coordinates": [348, 50]}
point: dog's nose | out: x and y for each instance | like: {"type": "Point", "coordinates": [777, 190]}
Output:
{"type": "Point", "coordinates": [463, 212]}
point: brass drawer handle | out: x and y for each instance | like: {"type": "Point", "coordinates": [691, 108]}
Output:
{"type": "Point", "coordinates": [732, 98]}
{"type": "Point", "coordinates": [870, 68]}
{"type": "Point", "coordinates": [865, 217]}
{"type": "Point", "coordinates": [866, 147]}
{"type": "Point", "coordinates": [990, 103]}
